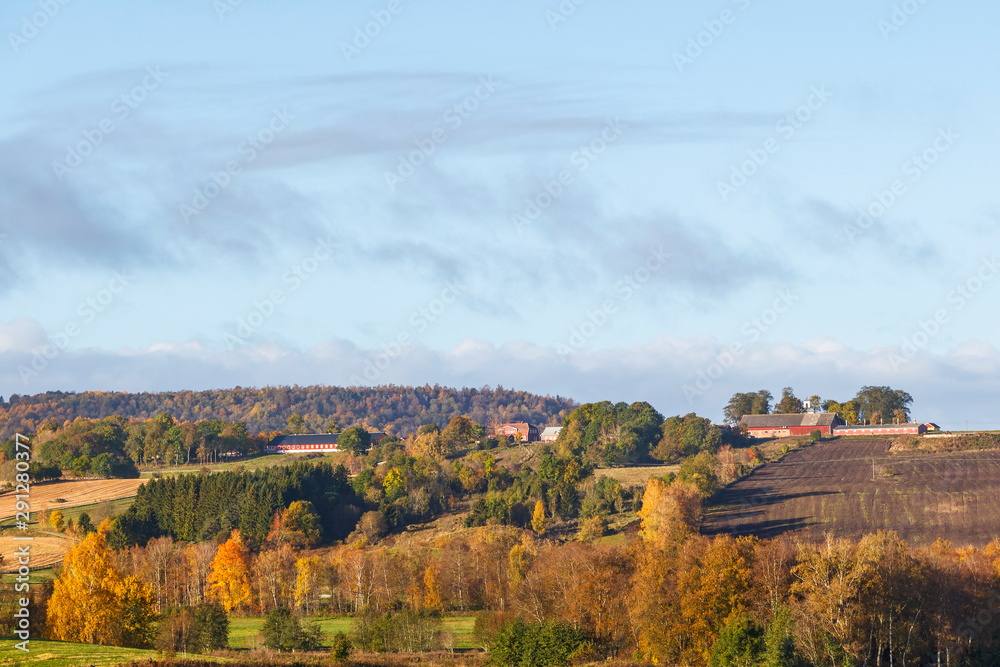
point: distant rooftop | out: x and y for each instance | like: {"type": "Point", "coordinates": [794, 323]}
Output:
{"type": "Point", "coordinates": [788, 421]}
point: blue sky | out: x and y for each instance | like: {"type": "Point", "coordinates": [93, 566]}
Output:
{"type": "Point", "coordinates": [629, 201]}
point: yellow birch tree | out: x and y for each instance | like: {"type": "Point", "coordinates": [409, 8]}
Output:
{"type": "Point", "coordinates": [94, 603]}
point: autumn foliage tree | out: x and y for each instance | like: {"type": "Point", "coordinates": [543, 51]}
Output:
{"type": "Point", "coordinates": [538, 518]}
{"type": "Point", "coordinates": [670, 512]}
{"type": "Point", "coordinates": [298, 524]}
{"type": "Point", "coordinates": [230, 575]}
{"type": "Point", "coordinates": [93, 602]}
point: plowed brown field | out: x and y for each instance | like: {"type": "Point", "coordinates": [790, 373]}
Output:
{"type": "Point", "coordinates": [829, 487]}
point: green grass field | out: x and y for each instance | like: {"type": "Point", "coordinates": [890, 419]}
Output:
{"type": "Point", "coordinates": [244, 633]}
{"type": "Point", "coordinates": [66, 654]}
{"type": "Point", "coordinates": [253, 463]}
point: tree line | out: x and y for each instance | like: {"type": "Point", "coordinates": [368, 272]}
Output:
{"type": "Point", "coordinates": [115, 446]}
{"type": "Point", "coordinates": [394, 409]}
{"type": "Point", "coordinates": [871, 405]}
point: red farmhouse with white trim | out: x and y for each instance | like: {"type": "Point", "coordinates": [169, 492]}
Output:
{"type": "Point", "coordinates": [304, 444]}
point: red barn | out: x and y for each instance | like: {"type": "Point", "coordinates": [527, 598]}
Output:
{"type": "Point", "coordinates": [783, 426]}
{"type": "Point", "coordinates": [528, 432]}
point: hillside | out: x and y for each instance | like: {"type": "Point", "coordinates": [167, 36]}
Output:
{"type": "Point", "coordinates": [398, 410]}
{"type": "Point", "coordinates": [829, 487]}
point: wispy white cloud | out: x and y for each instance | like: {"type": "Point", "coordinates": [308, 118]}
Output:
{"type": "Point", "coordinates": [949, 388]}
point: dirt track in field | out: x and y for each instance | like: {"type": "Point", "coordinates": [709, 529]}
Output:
{"type": "Point", "coordinates": [73, 492]}
{"type": "Point", "coordinates": [829, 488]}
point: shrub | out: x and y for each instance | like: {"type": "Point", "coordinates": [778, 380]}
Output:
{"type": "Point", "coordinates": [404, 632]}
{"type": "Point", "coordinates": [487, 624]}
{"type": "Point", "coordinates": [213, 626]}
{"type": "Point", "coordinates": [374, 526]}
{"type": "Point", "coordinates": [40, 472]}
{"type": "Point", "coordinates": [815, 435]}
{"type": "Point", "coordinates": [194, 629]}
{"type": "Point", "coordinates": [282, 631]}
{"type": "Point", "coordinates": [741, 642]}
{"type": "Point", "coordinates": [340, 651]}
{"type": "Point", "coordinates": [520, 644]}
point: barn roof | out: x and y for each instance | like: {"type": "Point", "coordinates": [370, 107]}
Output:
{"type": "Point", "coordinates": [322, 439]}
{"type": "Point", "coordinates": [552, 430]}
{"type": "Point", "coordinates": [788, 421]}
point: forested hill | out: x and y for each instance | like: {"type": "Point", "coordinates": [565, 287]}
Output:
{"type": "Point", "coordinates": [398, 410]}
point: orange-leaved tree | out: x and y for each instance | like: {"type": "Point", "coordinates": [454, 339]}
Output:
{"type": "Point", "coordinates": [230, 575]}
{"type": "Point", "coordinates": [95, 603]}
{"type": "Point", "coordinates": [669, 513]}
{"type": "Point", "coordinates": [432, 583]}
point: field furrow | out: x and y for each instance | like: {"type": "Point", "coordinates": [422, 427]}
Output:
{"type": "Point", "coordinates": [851, 487]}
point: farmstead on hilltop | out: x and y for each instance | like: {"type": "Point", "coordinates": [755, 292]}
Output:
{"type": "Point", "coordinates": [827, 423]}
{"type": "Point", "coordinates": [527, 432]}
{"type": "Point", "coordinates": [302, 444]}
{"type": "Point", "coordinates": [783, 426]}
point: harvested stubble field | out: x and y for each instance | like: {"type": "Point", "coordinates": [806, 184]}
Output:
{"type": "Point", "coordinates": [829, 487]}
{"type": "Point", "coordinates": [635, 475]}
{"type": "Point", "coordinates": [71, 493]}
{"type": "Point", "coordinates": [46, 551]}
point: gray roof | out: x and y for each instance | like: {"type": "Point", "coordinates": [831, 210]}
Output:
{"type": "Point", "coordinates": [787, 421]}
